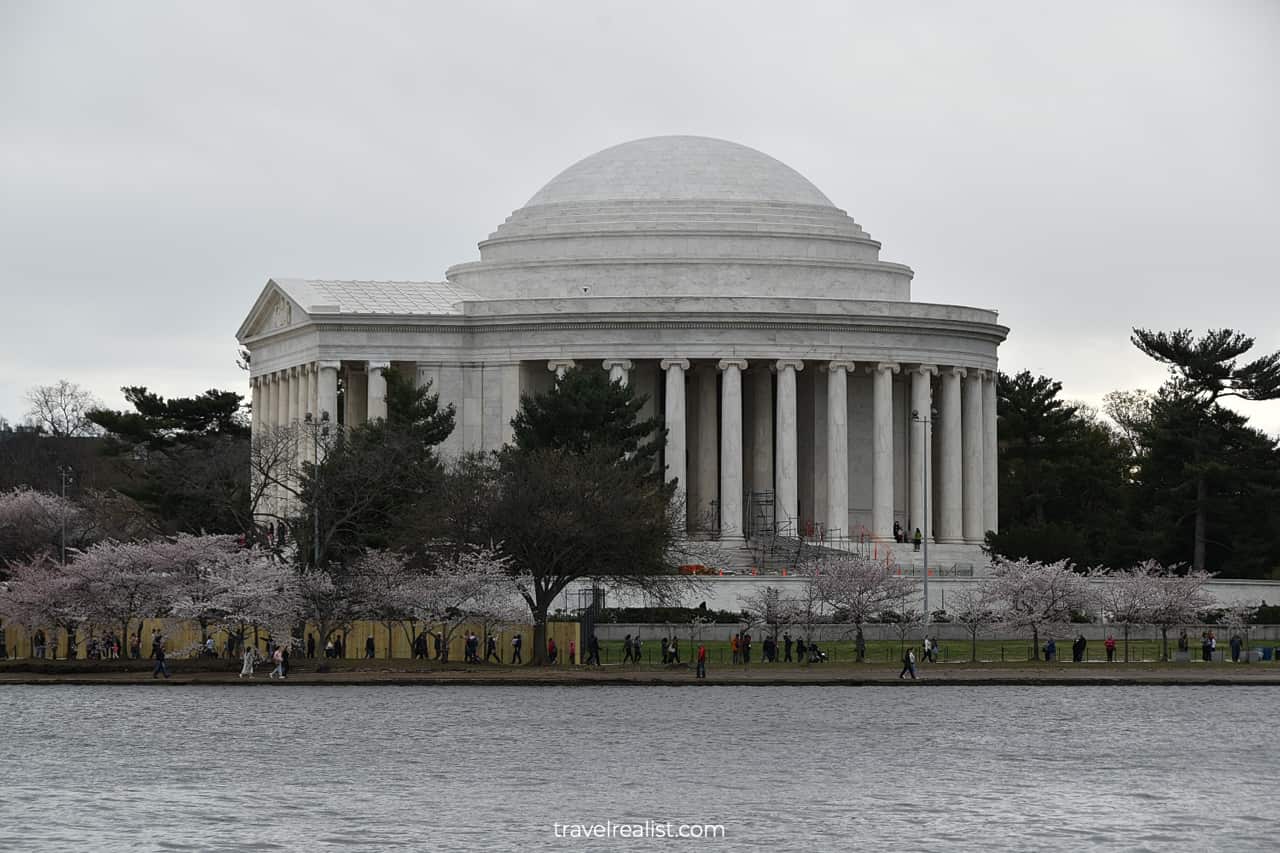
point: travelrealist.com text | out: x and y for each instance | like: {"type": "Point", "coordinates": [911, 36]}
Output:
{"type": "Point", "coordinates": [645, 829]}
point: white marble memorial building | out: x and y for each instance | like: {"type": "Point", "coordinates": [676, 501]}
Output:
{"type": "Point", "coordinates": [784, 355]}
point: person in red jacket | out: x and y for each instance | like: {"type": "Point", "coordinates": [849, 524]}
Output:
{"type": "Point", "coordinates": [702, 661]}
{"type": "Point", "coordinates": [1110, 645]}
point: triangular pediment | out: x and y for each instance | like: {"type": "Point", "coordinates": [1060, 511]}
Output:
{"type": "Point", "coordinates": [274, 310]}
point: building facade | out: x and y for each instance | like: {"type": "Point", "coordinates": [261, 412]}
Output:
{"type": "Point", "coordinates": [801, 388]}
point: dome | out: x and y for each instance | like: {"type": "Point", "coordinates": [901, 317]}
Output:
{"type": "Point", "coordinates": [679, 168]}
{"type": "Point", "coordinates": [679, 216]}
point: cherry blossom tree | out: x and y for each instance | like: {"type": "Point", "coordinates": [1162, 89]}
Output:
{"type": "Point", "coordinates": [469, 585]}
{"type": "Point", "coordinates": [1031, 596]}
{"type": "Point", "coordinates": [1180, 597]}
{"type": "Point", "coordinates": [122, 583]}
{"type": "Point", "coordinates": [1125, 597]}
{"type": "Point", "coordinates": [195, 568]}
{"type": "Point", "coordinates": [857, 587]}
{"type": "Point", "coordinates": [31, 522]}
{"type": "Point", "coordinates": [971, 609]}
{"type": "Point", "coordinates": [769, 607]}
{"type": "Point", "coordinates": [40, 594]}
{"type": "Point", "coordinates": [326, 602]}
{"type": "Point", "coordinates": [254, 590]}
{"type": "Point", "coordinates": [1239, 617]}
{"type": "Point", "coordinates": [386, 588]}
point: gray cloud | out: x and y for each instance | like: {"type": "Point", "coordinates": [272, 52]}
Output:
{"type": "Point", "coordinates": [1083, 171]}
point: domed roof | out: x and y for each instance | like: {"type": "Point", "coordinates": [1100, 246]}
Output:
{"type": "Point", "coordinates": [680, 215]}
{"type": "Point", "coordinates": [679, 168]}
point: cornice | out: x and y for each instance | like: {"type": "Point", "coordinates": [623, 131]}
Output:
{"type": "Point", "coordinates": [638, 260]}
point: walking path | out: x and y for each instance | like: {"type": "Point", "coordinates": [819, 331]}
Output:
{"type": "Point", "coordinates": [397, 672]}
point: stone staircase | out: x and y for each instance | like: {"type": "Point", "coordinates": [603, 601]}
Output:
{"type": "Point", "coordinates": [779, 554]}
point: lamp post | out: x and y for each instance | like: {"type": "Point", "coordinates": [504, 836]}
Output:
{"type": "Point", "coordinates": [318, 431]}
{"type": "Point", "coordinates": [925, 423]}
{"type": "Point", "coordinates": [65, 474]}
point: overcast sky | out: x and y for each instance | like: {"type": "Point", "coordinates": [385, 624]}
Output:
{"type": "Point", "coordinates": [1082, 168]}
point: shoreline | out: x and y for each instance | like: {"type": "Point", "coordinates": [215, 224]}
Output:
{"type": "Point", "coordinates": [852, 675]}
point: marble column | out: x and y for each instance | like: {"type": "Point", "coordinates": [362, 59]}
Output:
{"type": "Point", "coordinates": [882, 450]}
{"type": "Point", "coordinates": [990, 460]}
{"type": "Point", "coordinates": [786, 471]}
{"type": "Point", "coordinates": [268, 404]}
{"type": "Point", "coordinates": [255, 386]}
{"type": "Point", "coordinates": [377, 390]}
{"type": "Point", "coordinates": [761, 381]}
{"type": "Point", "coordinates": [619, 370]}
{"type": "Point", "coordinates": [296, 397]}
{"type": "Point", "coordinates": [675, 422]}
{"type": "Point", "coordinates": [282, 398]}
{"type": "Point", "coordinates": [838, 447]}
{"type": "Point", "coordinates": [355, 399]}
{"type": "Point", "coordinates": [313, 391]}
{"type": "Point", "coordinates": [950, 472]}
{"type": "Point", "coordinates": [327, 390]}
{"type": "Point", "coordinates": [921, 433]}
{"type": "Point", "coordinates": [559, 366]}
{"type": "Point", "coordinates": [972, 441]}
{"type": "Point", "coordinates": [731, 448]}
{"type": "Point", "coordinates": [705, 480]}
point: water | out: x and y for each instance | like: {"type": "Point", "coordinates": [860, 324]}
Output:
{"type": "Point", "coordinates": [783, 768]}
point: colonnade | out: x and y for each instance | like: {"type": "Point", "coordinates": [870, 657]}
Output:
{"type": "Point", "coordinates": [964, 484]}
{"type": "Point", "coordinates": [954, 404]}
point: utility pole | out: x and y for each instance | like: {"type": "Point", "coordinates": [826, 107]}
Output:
{"type": "Point", "coordinates": [65, 474]}
{"type": "Point", "coordinates": [928, 451]}
{"type": "Point", "coordinates": [319, 431]}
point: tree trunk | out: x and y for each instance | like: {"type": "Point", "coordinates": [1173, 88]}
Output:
{"type": "Point", "coordinates": [1164, 644]}
{"type": "Point", "coordinates": [860, 644]}
{"type": "Point", "coordinates": [973, 647]}
{"type": "Point", "coordinates": [1035, 643]}
{"type": "Point", "coordinates": [1126, 642]}
{"type": "Point", "coordinates": [1202, 497]}
{"type": "Point", "coordinates": [542, 603]}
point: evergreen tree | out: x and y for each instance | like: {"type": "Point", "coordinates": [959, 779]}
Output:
{"type": "Point", "coordinates": [1063, 475]}
{"type": "Point", "coordinates": [186, 459]}
{"type": "Point", "coordinates": [1204, 371]}
{"type": "Point", "coordinates": [375, 479]}
{"type": "Point", "coordinates": [585, 411]}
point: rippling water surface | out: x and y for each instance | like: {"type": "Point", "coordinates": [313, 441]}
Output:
{"type": "Point", "coordinates": [781, 768]}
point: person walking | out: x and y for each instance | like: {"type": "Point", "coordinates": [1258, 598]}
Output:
{"type": "Point", "coordinates": [786, 647]}
{"type": "Point", "coordinates": [916, 539]}
{"type": "Point", "coordinates": [702, 661]}
{"type": "Point", "coordinates": [368, 647]}
{"type": "Point", "coordinates": [311, 646]}
{"type": "Point", "coordinates": [593, 650]}
{"type": "Point", "coordinates": [1236, 644]}
{"type": "Point", "coordinates": [516, 643]}
{"type": "Point", "coordinates": [626, 649]}
{"type": "Point", "coordinates": [733, 646]}
{"type": "Point", "coordinates": [158, 653]}
{"type": "Point", "coordinates": [491, 649]}
{"type": "Point", "coordinates": [908, 664]}
{"type": "Point", "coordinates": [278, 657]}
{"type": "Point", "coordinates": [1110, 645]}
